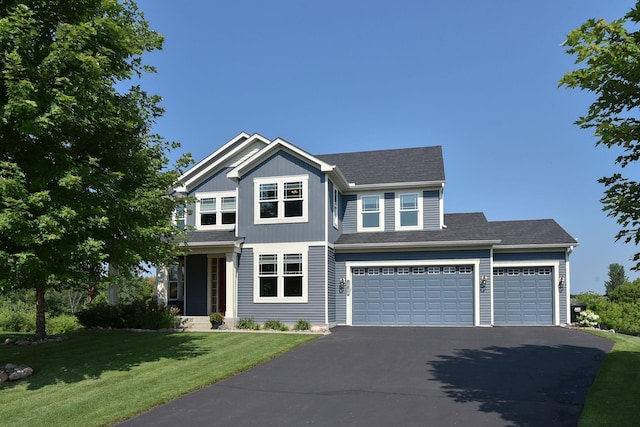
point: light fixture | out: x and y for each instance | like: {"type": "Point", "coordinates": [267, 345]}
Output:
{"type": "Point", "coordinates": [342, 283]}
{"type": "Point", "coordinates": [483, 282]}
{"type": "Point", "coordinates": [561, 283]}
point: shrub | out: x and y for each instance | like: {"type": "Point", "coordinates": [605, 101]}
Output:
{"type": "Point", "coordinates": [18, 321]}
{"type": "Point", "coordinates": [247, 323]}
{"type": "Point", "coordinates": [302, 325]}
{"type": "Point", "coordinates": [276, 325]}
{"type": "Point", "coordinates": [136, 315]}
{"type": "Point", "coordinates": [588, 318]}
{"type": "Point", "coordinates": [625, 293]}
{"type": "Point", "coordinates": [62, 324]}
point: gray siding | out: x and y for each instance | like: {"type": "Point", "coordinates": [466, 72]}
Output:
{"type": "Point", "coordinates": [350, 216]}
{"type": "Point", "coordinates": [288, 313]}
{"type": "Point", "coordinates": [196, 285]}
{"type": "Point", "coordinates": [482, 254]}
{"type": "Point", "coordinates": [279, 165]}
{"type": "Point", "coordinates": [331, 285]}
{"type": "Point", "coordinates": [431, 209]}
{"type": "Point", "coordinates": [389, 212]}
{"type": "Point", "coordinates": [217, 182]}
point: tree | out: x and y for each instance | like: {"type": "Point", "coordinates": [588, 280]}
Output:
{"type": "Point", "coordinates": [610, 54]}
{"type": "Point", "coordinates": [83, 181]}
{"type": "Point", "coordinates": [617, 277]}
{"type": "Point", "coordinates": [628, 292]}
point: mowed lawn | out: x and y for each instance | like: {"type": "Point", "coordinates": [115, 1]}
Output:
{"type": "Point", "coordinates": [101, 377]}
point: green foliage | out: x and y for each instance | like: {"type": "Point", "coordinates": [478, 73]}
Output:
{"type": "Point", "coordinates": [609, 54]}
{"type": "Point", "coordinates": [83, 181]}
{"type": "Point", "coordinates": [247, 323]}
{"type": "Point", "coordinates": [216, 318]}
{"type": "Point", "coordinates": [136, 315]}
{"type": "Point", "coordinates": [302, 325]}
{"type": "Point", "coordinates": [17, 321]}
{"type": "Point", "coordinates": [626, 293]}
{"type": "Point", "coordinates": [623, 317]}
{"type": "Point", "coordinates": [276, 325]}
{"type": "Point", "coordinates": [62, 324]}
{"type": "Point", "coordinates": [617, 277]}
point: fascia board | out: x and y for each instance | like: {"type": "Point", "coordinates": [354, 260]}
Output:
{"type": "Point", "coordinates": [278, 143]}
{"type": "Point", "coordinates": [531, 246]}
{"type": "Point", "coordinates": [206, 166]}
{"type": "Point", "coordinates": [415, 245]}
{"type": "Point", "coordinates": [353, 188]}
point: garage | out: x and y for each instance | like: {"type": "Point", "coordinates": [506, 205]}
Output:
{"type": "Point", "coordinates": [417, 295]}
{"type": "Point", "coordinates": [523, 295]}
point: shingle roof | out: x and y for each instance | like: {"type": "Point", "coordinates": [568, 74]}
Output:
{"type": "Point", "coordinates": [212, 236]}
{"type": "Point", "coordinates": [471, 228]}
{"type": "Point", "coordinates": [422, 164]}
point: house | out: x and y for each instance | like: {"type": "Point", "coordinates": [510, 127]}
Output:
{"type": "Point", "coordinates": [355, 239]}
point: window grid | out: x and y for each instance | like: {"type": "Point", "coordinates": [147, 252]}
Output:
{"type": "Point", "coordinates": [513, 271]}
{"type": "Point", "coordinates": [498, 271]}
{"type": "Point", "coordinates": [388, 271]}
{"type": "Point", "coordinates": [466, 269]}
{"type": "Point", "coordinates": [544, 271]}
{"type": "Point", "coordinates": [373, 271]}
{"type": "Point", "coordinates": [418, 270]}
{"type": "Point", "coordinates": [358, 271]}
{"type": "Point", "coordinates": [528, 271]}
{"type": "Point", "coordinates": [403, 271]}
{"type": "Point", "coordinates": [448, 270]}
{"type": "Point", "coordinates": [433, 270]}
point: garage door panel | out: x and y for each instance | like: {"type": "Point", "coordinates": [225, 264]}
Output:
{"type": "Point", "coordinates": [523, 298]}
{"type": "Point", "coordinates": [415, 299]}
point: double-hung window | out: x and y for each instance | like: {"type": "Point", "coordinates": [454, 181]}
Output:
{"type": "Point", "coordinates": [281, 277]}
{"type": "Point", "coordinates": [281, 199]}
{"type": "Point", "coordinates": [409, 214]}
{"type": "Point", "coordinates": [370, 212]}
{"type": "Point", "coordinates": [216, 210]}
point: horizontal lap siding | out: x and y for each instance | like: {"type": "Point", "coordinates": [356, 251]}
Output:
{"type": "Point", "coordinates": [431, 209]}
{"type": "Point", "coordinates": [289, 313]}
{"type": "Point", "coordinates": [331, 285]}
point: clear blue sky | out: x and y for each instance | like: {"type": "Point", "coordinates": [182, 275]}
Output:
{"type": "Point", "coordinates": [477, 77]}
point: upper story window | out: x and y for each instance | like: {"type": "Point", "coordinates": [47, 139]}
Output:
{"type": "Point", "coordinates": [215, 210]}
{"type": "Point", "coordinates": [370, 212]}
{"type": "Point", "coordinates": [281, 199]}
{"type": "Point", "coordinates": [180, 217]}
{"type": "Point", "coordinates": [409, 211]}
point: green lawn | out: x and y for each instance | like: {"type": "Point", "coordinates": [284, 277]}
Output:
{"type": "Point", "coordinates": [613, 398]}
{"type": "Point", "coordinates": [100, 377]}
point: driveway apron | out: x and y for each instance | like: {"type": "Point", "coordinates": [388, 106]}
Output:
{"type": "Point", "coordinates": [385, 376]}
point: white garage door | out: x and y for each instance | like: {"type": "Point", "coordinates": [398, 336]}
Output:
{"type": "Point", "coordinates": [419, 295]}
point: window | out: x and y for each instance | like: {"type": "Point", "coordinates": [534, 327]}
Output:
{"type": "Point", "coordinates": [281, 199]}
{"type": "Point", "coordinates": [418, 270]}
{"type": "Point", "coordinates": [371, 217]}
{"type": "Point", "coordinates": [544, 271]}
{"type": "Point", "coordinates": [403, 271]}
{"type": "Point", "coordinates": [358, 271]}
{"type": "Point", "coordinates": [408, 211]}
{"type": "Point", "coordinates": [216, 210]}
{"type": "Point", "coordinates": [180, 217]}
{"type": "Point", "coordinates": [513, 271]}
{"type": "Point", "coordinates": [388, 271]}
{"type": "Point", "coordinates": [281, 277]}
{"type": "Point", "coordinates": [466, 269]}
{"type": "Point", "coordinates": [528, 271]}
{"type": "Point", "coordinates": [498, 271]}
{"type": "Point", "coordinates": [176, 281]}
{"type": "Point", "coordinates": [433, 270]}
{"type": "Point", "coordinates": [448, 270]}
{"type": "Point", "coordinates": [373, 271]}
{"type": "Point", "coordinates": [335, 207]}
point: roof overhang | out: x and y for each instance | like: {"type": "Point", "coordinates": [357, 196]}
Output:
{"type": "Point", "coordinates": [536, 246]}
{"type": "Point", "coordinates": [394, 185]}
{"type": "Point", "coordinates": [415, 245]}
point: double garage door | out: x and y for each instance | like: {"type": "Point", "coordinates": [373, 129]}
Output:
{"type": "Point", "coordinates": [419, 295]}
{"type": "Point", "coordinates": [523, 296]}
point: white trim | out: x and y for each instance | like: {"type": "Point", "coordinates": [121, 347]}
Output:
{"type": "Point", "coordinates": [280, 249]}
{"type": "Point", "coordinates": [380, 227]}
{"type": "Point", "coordinates": [398, 211]}
{"type": "Point", "coordinates": [479, 244]}
{"type": "Point", "coordinates": [280, 200]}
{"type": "Point", "coordinates": [217, 195]}
{"type": "Point", "coordinates": [349, 265]}
{"type": "Point", "coordinates": [335, 207]}
{"type": "Point", "coordinates": [394, 185]}
{"type": "Point", "coordinates": [556, 279]}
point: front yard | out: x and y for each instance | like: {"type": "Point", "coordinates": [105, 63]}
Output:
{"type": "Point", "coordinates": [101, 377]}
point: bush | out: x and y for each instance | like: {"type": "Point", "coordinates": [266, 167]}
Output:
{"type": "Point", "coordinates": [18, 321]}
{"type": "Point", "coordinates": [62, 324]}
{"type": "Point", "coordinates": [625, 293]}
{"type": "Point", "coordinates": [247, 323]}
{"type": "Point", "coordinates": [136, 315]}
{"type": "Point", "coordinates": [302, 325]}
{"type": "Point", "coordinates": [276, 325]}
{"type": "Point", "coordinates": [588, 318]}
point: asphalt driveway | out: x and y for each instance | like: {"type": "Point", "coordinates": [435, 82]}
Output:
{"type": "Point", "coordinates": [371, 376]}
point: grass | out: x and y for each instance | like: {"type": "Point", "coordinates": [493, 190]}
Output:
{"type": "Point", "coordinates": [101, 377]}
{"type": "Point", "coordinates": [612, 400]}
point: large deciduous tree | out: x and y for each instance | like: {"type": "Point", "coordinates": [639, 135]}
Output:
{"type": "Point", "coordinates": [83, 180]}
{"type": "Point", "coordinates": [609, 56]}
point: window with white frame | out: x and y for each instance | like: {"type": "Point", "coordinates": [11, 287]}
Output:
{"type": "Point", "coordinates": [409, 211]}
{"type": "Point", "coordinates": [215, 210]}
{"type": "Point", "coordinates": [388, 271]}
{"type": "Point", "coordinates": [371, 212]}
{"type": "Point", "coordinates": [544, 271]}
{"type": "Point", "coordinates": [403, 271]}
{"type": "Point", "coordinates": [281, 277]}
{"type": "Point", "coordinates": [358, 271]}
{"type": "Point", "coordinates": [180, 217]}
{"type": "Point", "coordinates": [281, 200]}
{"type": "Point", "coordinates": [336, 196]}
{"type": "Point", "coordinates": [498, 271]}
{"type": "Point", "coordinates": [418, 270]}
{"type": "Point", "coordinates": [448, 270]}
{"type": "Point", "coordinates": [175, 281]}
{"type": "Point", "coordinates": [433, 270]}
{"type": "Point", "coordinates": [373, 271]}
{"type": "Point", "coordinates": [465, 269]}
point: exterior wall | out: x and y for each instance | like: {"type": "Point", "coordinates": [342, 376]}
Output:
{"type": "Point", "coordinates": [551, 257]}
{"type": "Point", "coordinates": [389, 212]}
{"type": "Point", "coordinates": [196, 285]}
{"type": "Point", "coordinates": [331, 285]}
{"type": "Point", "coordinates": [481, 254]}
{"type": "Point", "coordinates": [289, 313]}
{"type": "Point", "coordinates": [333, 232]}
{"type": "Point", "coordinates": [350, 216]}
{"type": "Point", "coordinates": [282, 164]}
{"type": "Point", "coordinates": [431, 209]}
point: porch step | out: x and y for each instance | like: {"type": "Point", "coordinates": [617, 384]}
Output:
{"type": "Point", "coordinates": [196, 323]}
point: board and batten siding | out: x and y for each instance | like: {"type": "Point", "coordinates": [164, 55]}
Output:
{"type": "Point", "coordinates": [282, 164]}
{"type": "Point", "coordinates": [431, 209]}
{"type": "Point", "coordinates": [541, 257]}
{"type": "Point", "coordinates": [459, 256]}
{"type": "Point", "coordinates": [289, 313]}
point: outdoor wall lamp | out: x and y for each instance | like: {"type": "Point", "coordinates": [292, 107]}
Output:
{"type": "Point", "coordinates": [561, 283]}
{"type": "Point", "coordinates": [483, 282]}
{"type": "Point", "coordinates": [342, 284]}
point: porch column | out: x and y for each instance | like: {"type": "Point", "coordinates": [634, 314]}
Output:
{"type": "Point", "coordinates": [162, 285]}
{"type": "Point", "coordinates": [231, 287]}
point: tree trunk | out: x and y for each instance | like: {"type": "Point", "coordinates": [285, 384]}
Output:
{"type": "Point", "coordinates": [41, 330]}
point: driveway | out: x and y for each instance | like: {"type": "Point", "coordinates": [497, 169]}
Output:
{"type": "Point", "coordinates": [376, 376]}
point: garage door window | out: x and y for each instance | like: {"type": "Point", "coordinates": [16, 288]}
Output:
{"type": "Point", "coordinates": [433, 270]}
{"type": "Point", "coordinates": [448, 270]}
{"type": "Point", "coordinates": [545, 271]}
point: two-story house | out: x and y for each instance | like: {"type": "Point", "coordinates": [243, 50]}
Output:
{"type": "Point", "coordinates": [355, 239]}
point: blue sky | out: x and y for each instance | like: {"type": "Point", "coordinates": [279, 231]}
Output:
{"type": "Point", "coordinates": [479, 78]}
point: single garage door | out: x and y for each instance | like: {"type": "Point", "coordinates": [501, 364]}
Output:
{"type": "Point", "coordinates": [421, 295]}
{"type": "Point", "coordinates": [523, 296]}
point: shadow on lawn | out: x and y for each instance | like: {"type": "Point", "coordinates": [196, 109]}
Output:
{"type": "Point", "coordinates": [89, 354]}
{"type": "Point", "coordinates": [529, 385]}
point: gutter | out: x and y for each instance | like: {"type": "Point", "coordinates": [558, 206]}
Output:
{"type": "Point", "coordinates": [415, 245]}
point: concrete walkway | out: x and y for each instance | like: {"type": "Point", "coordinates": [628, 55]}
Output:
{"type": "Point", "coordinates": [370, 376]}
